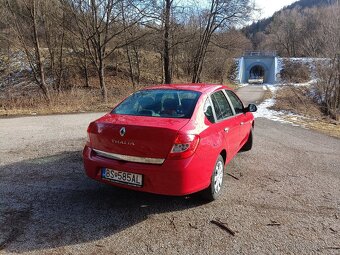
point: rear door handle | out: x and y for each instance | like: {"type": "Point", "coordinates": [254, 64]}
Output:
{"type": "Point", "coordinates": [242, 123]}
{"type": "Point", "coordinates": [226, 129]}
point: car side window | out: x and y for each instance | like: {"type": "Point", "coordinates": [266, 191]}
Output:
{"type": "Point", "coordinates": [208, 112]}
{"type": "Point", "coordinates": [236, 102]}
{"type": "Point", "coordinates": [221, 105]}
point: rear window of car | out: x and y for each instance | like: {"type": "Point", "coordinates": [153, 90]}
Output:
{"type": "Point", "coordinates": [159, 103]}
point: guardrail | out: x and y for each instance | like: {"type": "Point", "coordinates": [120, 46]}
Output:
{"type": "Point", "coordinates": [260, 53]}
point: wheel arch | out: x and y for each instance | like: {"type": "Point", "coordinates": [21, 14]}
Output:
{"type": "Point", "coordinates": [223, 153]}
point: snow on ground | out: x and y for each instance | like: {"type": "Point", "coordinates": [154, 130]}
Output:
{"type": "Point", "coordinates": [263, 110]}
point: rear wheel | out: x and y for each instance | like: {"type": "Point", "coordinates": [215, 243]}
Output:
{"type": "Point", "coordinates": [216, 182]}
{"type": "Point", "coordinates": [249, 144]}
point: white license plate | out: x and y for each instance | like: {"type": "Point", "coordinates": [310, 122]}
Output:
{"type": "Point", "coordinates": [122, 177]}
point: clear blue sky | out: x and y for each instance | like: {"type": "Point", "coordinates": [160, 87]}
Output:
{"type": "Point", "coordinates": [270, 6]}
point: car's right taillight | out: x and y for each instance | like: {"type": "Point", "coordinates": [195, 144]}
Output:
{"type": "Point", "coordinates": [184, 146]}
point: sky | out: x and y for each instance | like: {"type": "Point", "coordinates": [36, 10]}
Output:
{"type": "Point", "coordinates": [270, 6]}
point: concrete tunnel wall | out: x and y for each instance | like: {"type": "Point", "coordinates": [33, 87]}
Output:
{"type": "Point", "coordinates": [268, 63]}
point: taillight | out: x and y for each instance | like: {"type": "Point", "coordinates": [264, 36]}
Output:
{"type": "Point", "coordinates": [184, 146]}
{"type": "Point", "coordinates": [88, 139]}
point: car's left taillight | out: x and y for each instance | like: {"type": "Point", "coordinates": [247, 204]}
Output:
{"type": "Point", "coordinates": [184, 146]}
{"type": "Point", "coordinates": [88, 137]}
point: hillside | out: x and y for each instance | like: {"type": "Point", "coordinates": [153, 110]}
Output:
{"type": "Point", "coordinates": [262, 25]}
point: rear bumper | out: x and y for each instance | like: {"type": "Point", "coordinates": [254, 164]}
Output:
{"type": "Point", "coordinates": [173, 177]}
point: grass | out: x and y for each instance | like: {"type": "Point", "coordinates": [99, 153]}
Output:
{"type": "Point", "coordinates": [20, 101]}
{"type": "Point", "coordinates": [77, 100]}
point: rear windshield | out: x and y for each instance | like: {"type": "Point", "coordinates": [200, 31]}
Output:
{"type": "Point", "coordinates": [159, 103]}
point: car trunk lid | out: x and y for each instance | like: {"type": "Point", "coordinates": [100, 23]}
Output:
{"type": "Point", "coordinates": [136, 136]}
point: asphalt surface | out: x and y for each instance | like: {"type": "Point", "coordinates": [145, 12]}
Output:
{"type": "Point", "coordinates": [285, 200]}
{"type": "Point", "coordinates": [251, 94]}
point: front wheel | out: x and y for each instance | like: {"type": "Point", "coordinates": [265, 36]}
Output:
{"type": "Point", "coordinates": [214, 190]}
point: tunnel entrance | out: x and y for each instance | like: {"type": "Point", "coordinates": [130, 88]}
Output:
{"type": "Point", "coordinates": [256, 75]}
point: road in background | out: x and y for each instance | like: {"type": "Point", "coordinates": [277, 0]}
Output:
{"type": "Point", "coordinates": [251, 94]}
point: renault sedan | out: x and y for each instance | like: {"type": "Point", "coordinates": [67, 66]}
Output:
{"type": "Point", "coordinates": [170, 139]}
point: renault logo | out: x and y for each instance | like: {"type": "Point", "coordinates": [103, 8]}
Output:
{"type": "Point", "coordinates": [122, 131]}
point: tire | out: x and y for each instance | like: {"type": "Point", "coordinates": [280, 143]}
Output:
{"type": "Point", "coordinates": [249, 144]}
{"type": "Point", "coordinates": [216, 182]}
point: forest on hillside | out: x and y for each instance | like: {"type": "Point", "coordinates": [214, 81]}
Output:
{"type": "Point", "coordinates": [81, 52]}
{"type": "Point", "coordinates": [303, 29]}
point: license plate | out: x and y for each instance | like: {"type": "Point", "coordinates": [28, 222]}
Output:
{"type": "Point", "coordinates": [122, 177]}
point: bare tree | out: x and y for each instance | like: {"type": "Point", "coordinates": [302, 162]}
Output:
{"type": "Point", "coordinates": [286, 30]}
{"type": "Point", "coordinates": [100, 22]}
{"type": "Point", "coordinates": [53, 33]}
{"type": "Point", "coordinates": [25, 17]}
{"type": "Point", "coordinates": [222, 14]}
{"type": "Point", "coordinates": [328, 86]}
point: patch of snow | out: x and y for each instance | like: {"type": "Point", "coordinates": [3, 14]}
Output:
{"type": "Point", "coordinates": [271, 87]}
{"type": "Point", "coordinates": [263, 110]}
{"type": "Point", "coordinates": [243, 84]}
{"type": "Point", "coordinates": [306, 84]}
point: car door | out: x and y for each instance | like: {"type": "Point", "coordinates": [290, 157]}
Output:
{"type": "Point", "coordinates": [242, 118]}
{"type": "Point", "coordinates": [226, 122]}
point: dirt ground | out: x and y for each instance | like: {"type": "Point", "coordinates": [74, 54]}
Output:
{"type": "Point", "coordinates": [285, 200]}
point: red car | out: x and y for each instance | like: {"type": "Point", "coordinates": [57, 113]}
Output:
{"type": "Point", "coordinates": [170, 139]}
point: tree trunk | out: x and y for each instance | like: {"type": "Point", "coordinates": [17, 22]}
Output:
{"type": "Point", "coordinates": [86, 73]}
{"type": "Point", "coordinates": [166, 38]}
{"type": "Point", "coordinates": [132, 76]}
{"type": "Point", "coordinates": [102, 84]}
{"type": "Point", "coordinates": [137, 64]}
{"type": "Point", "coordinates": [40, 65]}
{"type": "Point", "coordinates": [61, 56]}
{"type": "Point", "coordinates": [199, 60]}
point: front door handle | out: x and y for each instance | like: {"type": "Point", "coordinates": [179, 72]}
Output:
{"type": "Point", "coordinates": [226, 129]}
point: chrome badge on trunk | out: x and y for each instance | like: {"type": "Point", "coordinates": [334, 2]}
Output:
{"type": "Point", "coordinates": [122, 131]}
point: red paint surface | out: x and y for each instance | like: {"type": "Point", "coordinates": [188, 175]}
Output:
{"type": "Point", "coordinates": [154, 137]}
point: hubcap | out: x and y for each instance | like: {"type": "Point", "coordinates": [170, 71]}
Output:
{"type": "Point", "coordinates": [218, 176]}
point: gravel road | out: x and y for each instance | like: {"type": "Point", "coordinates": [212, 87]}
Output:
{"type": "Point", "coordinates": [285, 200]}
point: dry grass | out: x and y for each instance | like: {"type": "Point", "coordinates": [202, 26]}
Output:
{"type": "Point", "coordinates": [296, 100]}
{"type": "Point", "coordinates": [267, 94]}
{"type": "Point", "coordinates": [77, 99]}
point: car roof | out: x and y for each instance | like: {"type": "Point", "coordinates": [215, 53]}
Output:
{"type": "Point", "coordinates": [199, 87]}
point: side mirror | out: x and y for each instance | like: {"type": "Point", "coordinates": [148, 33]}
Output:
{"type": "Point", "coordinates": [251, 108]}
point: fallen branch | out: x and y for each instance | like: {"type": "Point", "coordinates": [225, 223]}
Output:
{"type": "Point", "coordinates": [192, 225]}
{"type": "Point", "coordinates": [274, 223]}
{"type": "Point", "coordinates": [223, 226]}
{"type": "Point", "coordinates": [333, 248]}
{"type": "Point", "coordinates": [333, 230]}
{"type": "Point", "coordinates": [233, 176]}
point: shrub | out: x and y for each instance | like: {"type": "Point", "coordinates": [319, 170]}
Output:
{"type": "Point", "coordinates": [295, 72]}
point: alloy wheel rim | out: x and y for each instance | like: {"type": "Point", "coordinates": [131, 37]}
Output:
{"type": "Point", "coordinates": [218, 177]}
